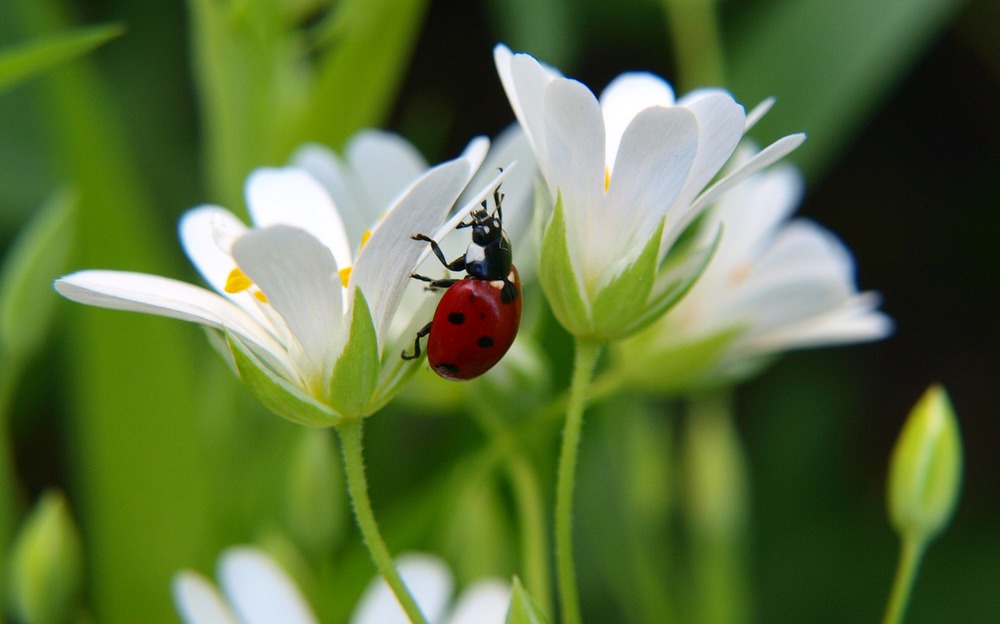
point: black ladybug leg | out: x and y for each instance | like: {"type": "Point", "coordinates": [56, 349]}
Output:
{"type": "Point", "coordinates": [458, 264]}
{"type": "Point", "coordinates": [434, 283]}
{"type": "Point", "coordinates": [426, 329]}
{"type": "Point", "coordinates": [498, 202]}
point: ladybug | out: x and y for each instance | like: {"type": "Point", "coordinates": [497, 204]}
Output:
{"type": "Point", "coordinates": [477, 318]}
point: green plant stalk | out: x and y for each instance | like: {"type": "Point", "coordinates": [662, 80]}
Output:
{"type": "Point", "coordinates": [910, 554]}
{"type": "Point", "coordinates": [586, 357]}
{"type": "Point", "coordinates": [351, 432]}
{"type": "Point", "coordinates": [528, 500]}
{"type": "Point", "coordinates": [697, 43]}
{"type": "Point", "coordinates": [716, 510]}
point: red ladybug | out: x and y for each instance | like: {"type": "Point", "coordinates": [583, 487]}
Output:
{"type": "Point", "coordinates": [477, 318]}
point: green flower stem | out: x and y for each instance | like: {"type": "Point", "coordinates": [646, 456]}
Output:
{"type": "Point", "coordinates": [694, 32]}
{"type": "Point", "coordinates": [583, 371]}
{"type": "Point", "coordinates": [351, 432]}
{"type": "Point", "coordinates": [911, 552]}
{"type": "Point", "coordinates": [528, 500]}
{"type": "Point", "coordinates": [717, 488]}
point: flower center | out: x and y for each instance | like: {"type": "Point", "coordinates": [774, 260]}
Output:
{"type": "Point", "coordinates": [238, 282]}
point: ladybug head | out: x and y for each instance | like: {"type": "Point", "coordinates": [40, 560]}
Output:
{"type": "Point", "coordinates": [486, 228]}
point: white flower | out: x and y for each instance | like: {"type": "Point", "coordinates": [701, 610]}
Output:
{"type": "Point", "coordinates": [255, 590]}
{"type": "Point", "coordinates": [305, 298]}
{"type": "Point", "coordinates": [773, 285]}
{"type": "Point", "coordinates": [627, 174]}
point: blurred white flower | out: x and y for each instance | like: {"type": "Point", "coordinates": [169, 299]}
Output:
{"type": "Point", "coordinates": [306, 297]}
{"type": "Point", "coordinates": [255, 590]}
{"type": "Point", "coordinates": [773, 285]}
{"type": "Point", "coordinates": [626, 174]}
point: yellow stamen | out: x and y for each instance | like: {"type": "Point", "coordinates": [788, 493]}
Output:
{"type": "Point", "coordinates": [345, 273]}
{"type": "Point", "coordinates": [259, 294]}
{"type": "Point", "coordinates": [607, 179]}
{"type": "Point", "coordinates": [237, 281]}
{"type": "Point", "coordinates": [364, 238]}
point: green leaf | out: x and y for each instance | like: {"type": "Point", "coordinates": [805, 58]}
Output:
{"type": "Point", "coordinates": [675, 369]}
{"type": "Point", "coordinates": [626, 295]}
{"type": "Point", "coordinates": [851, 51]}
{"type": "Point", "coordinates": [523, 609]}
{"type": "Point", "coordinates": [28, 59]}
{"type": "Point", "coordinates": [558, 277]}
{"type": "Point", "coordinates": [371, 41]}
{"type": "Point", "coordinates": [356, 373]}
{"type": "Point", "coordinates": [277, 394]}
{"type": "Point", "coordinates": [37, 257]}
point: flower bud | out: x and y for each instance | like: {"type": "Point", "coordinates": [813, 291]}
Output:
{"type": "Point", "coordinates": [46, 564]}
{"type": "Point", "coordinates": [926, 472]}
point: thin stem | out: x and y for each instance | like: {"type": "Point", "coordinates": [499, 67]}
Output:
{"type": "Point", "coordinates": [357, 487]}
{"type": "Point", "coordinates": [906, 572]}
{"type": "Point", "coordinates": [528, 500]}
{"type": "Point", "coordinates": [694, 32]}
{"type": "Point", "coordinates": [583, 371]}
{"type": "Point", "coordinates": [716, 509]}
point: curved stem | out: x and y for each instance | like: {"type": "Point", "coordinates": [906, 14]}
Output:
{"type": "Point", "coordinates": [906, 572]}
{"type": "Point", "coordinates": [357, 486]}
{"type": "Point", "coordinates": [694, 32]}
{"type": "Point", "coordinates": [583, 371]}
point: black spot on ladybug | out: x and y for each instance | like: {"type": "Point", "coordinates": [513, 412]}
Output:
{"type": "Point", "coordinates": [449, 369]}
{"type": "Point", "coordinates": [485, 342]}
{"type": "Point", "coordinates": [482, 316]}
{"type": "Point", "coordinates": [456, 318]}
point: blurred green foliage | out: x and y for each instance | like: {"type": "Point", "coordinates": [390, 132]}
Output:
{"type": "Point", "coordinates": [166, 460]}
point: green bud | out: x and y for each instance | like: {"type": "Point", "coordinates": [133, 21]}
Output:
{"type": "Point", "coordinates": [926, 472]}
{"type": "Point", "coordinates": [46, 564]}
{"type": "Point", "coordinates": [523, 609]}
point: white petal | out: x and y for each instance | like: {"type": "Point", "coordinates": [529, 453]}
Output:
{"type": "Point", "coordinates": [207, 234]}
{"type": "Point", "coordinates": [428, 580]}
{"type": "Point", "coordinates": [384, 265]}
{"type": "Point", "coordinates": [484, 602]}
{"type": "Point", "coordinates": [260, 591]}
{"type": "Point", "coordinates": [299, 277]}
{"type": "Point", "coordinates": [656, 154]}
{"type": "Point", "coordinates": [386, 164]}
{"type": "Point", "coordinates": [341, 184]}
{"type": "Point", "coordinates": [758, 112]}
{"type": "Point", "coordinates": [198, 602]}
{"type": "Point", "coordinates": [575, 140]}
{"type": "Point", "coordinates": [290, 196]}
{"type": "Point", "coordinates": [525, 80]}
{"type": "Point", "coordinates": [721, 121]}
{"type": "Point", "coordinates": [622, 100]}
{"type": "Point", "coordinates": [152, 294]}
{"type": "Point", "coordinates": [768, 156]}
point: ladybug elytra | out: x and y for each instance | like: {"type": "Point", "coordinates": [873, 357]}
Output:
{"type": "Point", "coordinates": [477, 318]}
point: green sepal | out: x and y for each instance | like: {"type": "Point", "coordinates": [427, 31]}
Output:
{"type": "Point", "coordinates": [356, 373]}
{"type": "Point", "coordinates": [625, 296]}
{"type": "Point", "coordinates": [925, 477]}
{"type": "Point", "coordinates": [36, 258]}
{"type": "Point", "coordinates": [523, 610]}
{"type": "Point", "coordinates": [276, 393]}
{"type": "Point", "coordinates": [673, 280]}
{"type": "Point", "coordinates": [558, 277]}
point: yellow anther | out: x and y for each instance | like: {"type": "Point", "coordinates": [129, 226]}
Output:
{"type": "Point", "coordinates": [345, 273]}
{"type": "Point", "coordinates": [365, 237]}
{"type": "Point", "coordinates": [607, 179]}
{"type": "Point", "coordinates": [259, 294]}
{"type": "Point", "coordinates": [237, 281]}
